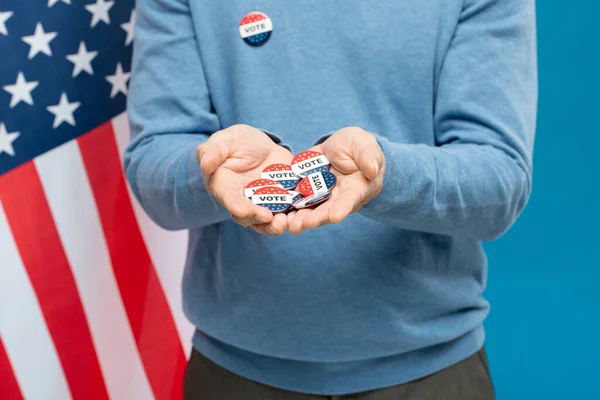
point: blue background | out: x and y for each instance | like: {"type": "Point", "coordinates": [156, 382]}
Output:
{"type": "Point", "coordinates": [543, 332]}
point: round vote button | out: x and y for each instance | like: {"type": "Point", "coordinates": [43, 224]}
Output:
{"type": "Point", "coordinates": [256, 28]}
{"type": "Point", "coordinates": [282, 173]}
{"type": "Point", "coordinates": [273, 198]}
{"type": "Point", "coordinates": [305, 202]}
{"type": "Point", "coordinates": [317, 184]}
{"type": "Point", "coordinates": [259, 184]}
{"type": "Point", "coordinates": [309, 162]}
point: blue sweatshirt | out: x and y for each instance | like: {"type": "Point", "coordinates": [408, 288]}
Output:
{"type": "Point", "coordinates": [394, 292]}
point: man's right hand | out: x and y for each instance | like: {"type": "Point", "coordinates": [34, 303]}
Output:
{"type": "Point", "coordinates": [232, 158]}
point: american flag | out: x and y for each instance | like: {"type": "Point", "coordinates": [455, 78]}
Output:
{"type": "Point", "coordinates": [89, 286]}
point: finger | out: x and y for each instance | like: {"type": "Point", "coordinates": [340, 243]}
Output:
{"type": "Point", "coordinates": [290, 217]}
{"type": "Point", "coordinates": [347, 202]}
{"type": "Point", "coordinates": [209, 157]}
{"type": "Point", "coordinates": [339, 155]}
{"type": "Point", "coordinates": [239, 221]}
{"type": "Point", "coordinates": [214, 152]}
{"type": "Point", "coordinates": [246, 222]}
{"type": "Point", "coordinates": [318, 216]}
{"type": "Point", "coordinates": [275, 228]}
{"type": "Point", "coordinates": [279, 224]}
{"type": "Point", "coordinates": [245, 213]}
{"type": "Point", "coordinates": [295, 225]}
{"type": "Point", "coordinates": [368, 155]}
{"type": "Point", "coordinates": [230, 196]}
{"type": "Point", "coordinates": [254, 215]}
{"type": "Point", "coordinates": [262, 229]}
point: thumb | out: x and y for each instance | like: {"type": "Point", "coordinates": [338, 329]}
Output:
{"type": "Point", "coordinates": [212, 154]}
{"type": "Point", "coordinates": [368, 156]}
{"type": "Point", "coordinates": [339, 154]}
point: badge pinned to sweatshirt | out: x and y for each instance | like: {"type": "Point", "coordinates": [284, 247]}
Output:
{"type": "Point", "coordinates": [256, 28]}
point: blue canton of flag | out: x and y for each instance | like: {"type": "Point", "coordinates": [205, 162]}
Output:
{"type": "Point", "coordinates": [65, 69]}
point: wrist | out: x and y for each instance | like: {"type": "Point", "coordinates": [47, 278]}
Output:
{"type": "Point", "coordinates": [378, 201]}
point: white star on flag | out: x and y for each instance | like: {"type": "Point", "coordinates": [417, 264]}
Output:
{"type": "Point", "coordinates": [53, 2]}
{"type": "Point", "coordinates": [21, 90]}
{"type": "Point", "coordinates": [100, 11]}
{"type": "Point", "coordinates": [39, 41]}
{"type": "Point", "coordinates": [63, 111]}
{"type": "Point", "coordinates": [118, 81]}
{"type": "Point", "coordinates": [4, 16]}
{"type": "Point", "coordinates": [82, 60]}
{"type": "Point", "coordinates": [128, 27]}
{"type": "Point", "coordinates": [6, 140]}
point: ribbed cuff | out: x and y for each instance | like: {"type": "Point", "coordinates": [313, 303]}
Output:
{"type": "Point", "coordinates": [276, 139]}
{"type": "Point", "coordinates": [395, 176]}
{"type": "Point", "coordinates": [322, 139]}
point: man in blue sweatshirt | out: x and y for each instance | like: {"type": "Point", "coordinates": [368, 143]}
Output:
{"type": "Point", "coordinates": [427, 113]}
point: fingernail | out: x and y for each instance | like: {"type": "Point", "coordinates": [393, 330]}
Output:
{"type": "Point", "coordinates": [376, 165]}
{"type": "Point", "coordinates": [202, 162]}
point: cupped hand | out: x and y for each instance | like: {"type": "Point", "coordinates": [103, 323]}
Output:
{"type": "Point", "coordinates": [232, 158]}
{"type": "Point", "coordinates": [359, 165]}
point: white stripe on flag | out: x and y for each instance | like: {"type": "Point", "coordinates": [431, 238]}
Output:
{"type": "Point", "coordinates": [166, 248]}
{"type": "Point", "coordinates": [69, 195]}
{"type": "Point", "coordinates": [23, 329]}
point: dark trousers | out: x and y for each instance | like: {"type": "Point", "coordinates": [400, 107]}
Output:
{"type": "Point", "coordinates": [467, 380]}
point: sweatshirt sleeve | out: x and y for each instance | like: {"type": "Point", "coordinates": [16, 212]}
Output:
{"type": "Point", "coordinates": [476, 180]}
{"type": "Point", "coordinates": [170, 114]}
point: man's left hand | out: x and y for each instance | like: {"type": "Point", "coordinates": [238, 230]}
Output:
{"type": "Point", "coordinates": [359, 165]}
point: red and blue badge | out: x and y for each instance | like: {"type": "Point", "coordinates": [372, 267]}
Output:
{"type": "Point", "coordinates": [309, 162]}
{"type": "Point", "coordinates": [317, 184]}
{"type": "Point", "coordinates": [295, 196]}
{"type": "Point", "coordinates": [273, 198]}
{"type": "Point", "coordinates": [309, 201]}
{"type": "Point", "coordinates": [282, 173]}
{"type": "Point", "coordinates": [259, 184]}
{"type": "Point", "coordinates": [256, 28]}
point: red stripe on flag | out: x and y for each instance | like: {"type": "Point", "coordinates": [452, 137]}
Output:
{"type": "Point", "coordinates": [145, 302]}
{"type": "Point", "coordinates": [9, 388]}
{"type": "Point", "coordinates": [41, 250]}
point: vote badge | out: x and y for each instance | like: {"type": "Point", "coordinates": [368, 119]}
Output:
{"type": "Point", "coordinates": [295, 196]}
{"type": "Point", "coordinates": [273, 198]}
{"type": "Point", "coordinates": [256, 28]}
{"type": "Point", "coordinates": [305, 202]}
{"type": "Point", "coordinates": [282, 173]}
{"type": "Point", "coordinates": [309, 162]}
{"type": "Point", "coordinates": [259, 184]}
{"type": "Point", "coordinates": [317, 184]}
